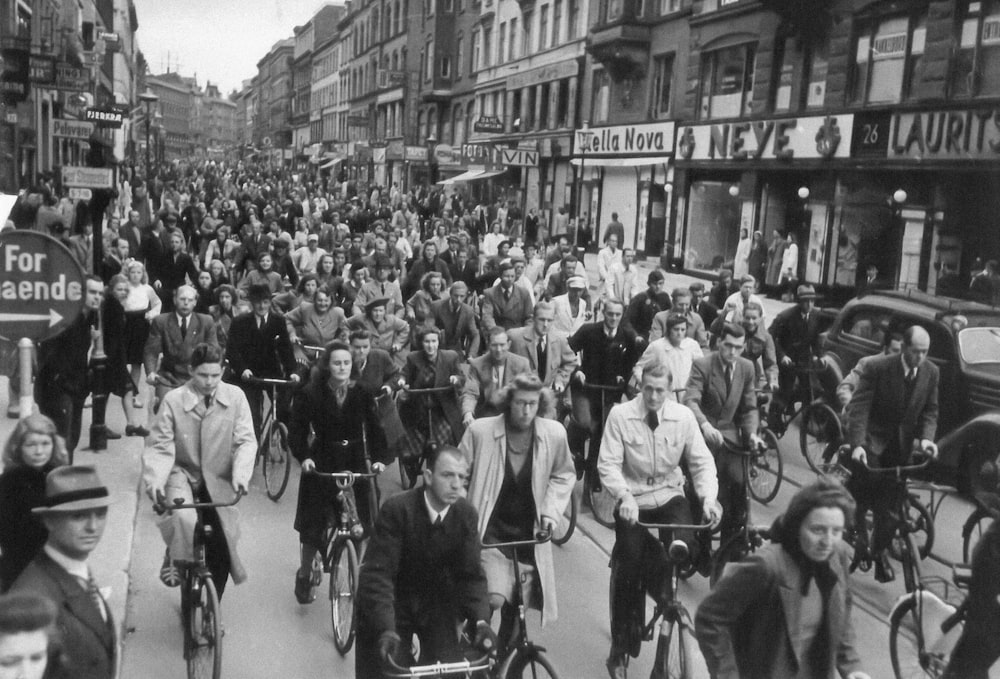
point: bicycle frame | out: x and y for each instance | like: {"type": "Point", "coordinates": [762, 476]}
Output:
{"type": "Point", "coordinates": [342, 531]}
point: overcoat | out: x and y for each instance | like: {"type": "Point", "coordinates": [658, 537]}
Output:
{"type": "Point", "coordinates": [220, 448]}
{"type": "Point", "coordinates": [552, 479]}
{"type": "Point", "coordinates": [446, 364]}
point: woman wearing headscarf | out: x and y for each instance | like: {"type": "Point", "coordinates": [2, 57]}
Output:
{"type": "Point", "coordinates": [785, 611]}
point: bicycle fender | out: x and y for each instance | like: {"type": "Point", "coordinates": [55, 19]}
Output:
{"type": "Point", "coordinates": [937, 614]}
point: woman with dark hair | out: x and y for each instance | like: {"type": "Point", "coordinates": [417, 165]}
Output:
{"type": "Point", "coordinates": [785, 611]}
{"type": "Point", "coordinates": [206, 292]}
{"type": "Point", "coordinates": [315, 323]}
{"type": "Point", "coordinates": [343, 418]}
{"type": "Point", "coordinates": [430, 366]}
{"type": "Point", "coordinates": [29, 638]}
{"type": "Point", "coordinates": [264, 274]}
{"type": "Point", "coordinates": [223, 311]}
{"type": "Point", "coordinates": [114, 324]}
{"type": "Point", "coordinates": [32, 451]}
{"type": "Point", "coordinates": [305, 291]}
{"type": "Point", "coordinates": [418, 308]}
{"type": "Point", "coordinates": [326, 272]}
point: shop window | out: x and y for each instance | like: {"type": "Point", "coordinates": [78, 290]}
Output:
{"type": "Point", "coordinates": [727, 78]}
{"type": "Point", "coordinates": [976, 70]}
{"type": "Point", "coordinates": [601, 96]}
{"type": "Point", "coordinates": [713, 225]}
{"type": "Point", "coordinates": [663, 73]}
{"type": "Point", "coordinates": [889, 58]}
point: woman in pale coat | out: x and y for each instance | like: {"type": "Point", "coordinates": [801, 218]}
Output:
{"type": "Point", "coordinates": [506, 454]}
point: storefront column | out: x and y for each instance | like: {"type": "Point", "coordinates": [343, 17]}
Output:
{"type": "Point", "coordinates": [524, 108]}
{"type": "Point", "coordinates": [553, 104]}
{"type": "Point", "coordinates": [573, 117]}
{"type": "Point", "coordinates": [508, 112]}
{"type": "Point", "coordinates": [537, 119]}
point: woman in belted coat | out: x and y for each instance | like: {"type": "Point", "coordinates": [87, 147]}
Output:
{"type": "Point", "coordinates": [344, 419]}
{"type": "Point", "coordinates": [785, 612]}
{"type": "Point", "coordinates": [431, 366]}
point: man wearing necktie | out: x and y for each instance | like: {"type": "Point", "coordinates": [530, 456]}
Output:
{"type": "Point", "coordinates": [893, 413]}
{"type": "Point", "coordinates": [458, 321]}
{"type": "Point", "coordinates": [720, 393]}
{"type": "Point", "coordinates": [506, 305]}
{"type": "Point", "coordinates": [644, 443]}
{"type": "Point", "coordinates": [74, 512]}
{"type": "Point", "coordinates": [488, 375]}
{"type": "Point", "coordinates": [549, 354]}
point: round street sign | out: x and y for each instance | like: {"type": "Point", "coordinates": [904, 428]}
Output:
{"type": "Point", "coordinates": [41, 286]}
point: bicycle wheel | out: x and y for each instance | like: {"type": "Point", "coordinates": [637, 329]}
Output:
{"type": "Point", "coordinates": [733, 549]}
{"type": "Point", "coordinates": [766, 469]}
{"type": "Point", "coordinates": [972, 531]}
{"type": "Point", "coordinates": [907, 651]}
{"type": "Point", "coordinates": [820, 435]}
{"type": "Point", "coordinates": [564, 531]}
{"type": "Point", "coordinates": [923, 534]}
{"type": "Point", "coordinates": [671, 656]}
{"type": "Point", "coordinates": [277, 461]}
{"type": "Point", "coordinates": [204, 628]}
{"type": "Point", "coordinates": [528, 663]}
{"type": "Point", "coordinates": [343, 587]}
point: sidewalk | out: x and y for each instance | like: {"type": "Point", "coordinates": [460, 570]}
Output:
{"type": "Point", "coordinates": [119, 468]}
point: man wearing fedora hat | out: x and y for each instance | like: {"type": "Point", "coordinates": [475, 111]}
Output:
{"type": "Point", "coordinates": [796, 340]}
{"type": "Point", "coordinates": [74, 513]}
{"type": "Point", "coordinates": [380, 288]}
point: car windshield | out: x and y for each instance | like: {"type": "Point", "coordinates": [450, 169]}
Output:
{"type": "Point", "coordinates": [980, 345]}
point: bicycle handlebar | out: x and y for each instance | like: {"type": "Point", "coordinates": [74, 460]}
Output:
{"type": "Point", "coordinates": [676, 526]}
{"type": "Point", "coordinates": [161, 506]}
{"type": "Point", "coordinates": [427, 390]}
{"type": "Point", "coordinates": [270, 381]}
{"type": "Point", "coordinates": [314, 349]}
{"type": "Point", "coordinates": [740, 449]}
{"type": "Point", "coordinates": [604, 387]}
{"type": "Point", "coordinates": [899, 469]}
{"type": "Point", "coordinates": [344, 479]}
{"type": "Point", "coordinates": [541, 537]}
{"type": "Point", "coordinates": [392, 669]}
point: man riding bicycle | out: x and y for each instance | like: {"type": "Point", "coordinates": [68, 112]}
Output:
{"type": "Point", "coordinates": [796, 341]}
{"type": "Point", "coordinates": [202, 448]}
{"type": "Point", "coordinates": [640, 465]}
{"type": "Point", "coordinates": [893, 413]}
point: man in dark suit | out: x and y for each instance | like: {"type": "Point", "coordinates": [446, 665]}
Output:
{"type": "Point", "coordinates": [720, 393]}
{"type": "Point", "coordinates": [422, 573]}
{"type": "Point", "coordinates": [796, 341]}
{"type": "Point", "coordinates": [681, 304]}
{"type": "Point", "coordinates": [548, 355]}
{"type": "Point", "coordinates": [178, 268]}
{"type": "Point", "coordinates": [132, 232]}
{"type": "Point", "coordinates": [506, 305]}
{"type": "Point", "coordinates": [259, 346]}
{"type": "Point", "coordinates": [63, 381]}
{"type": "Point", "coordinates": [462, 269]}
{"type": "Point", "coordinates": [701, 306]}
{"type": "Point", "coordinates": [114, 259]}
{"type": "Point", "coordinates": [609, 352]}
{"type": "Point", "coordinates": [74, 513]}
{"type": "Point", "coordinates": [172, 338]}
{"type": "Point", "coordinates": [893, 412]}
{"type": "Point", "coordinates": [82, 247]}
{"type": "Point", "coordinates": [647, 304]}
{"type": "Point", "coordinates": [458, 321]}
{"type": "Point", "coordinates": [488, 375]}
{"type": "Point", "coordinates": [253, 244]}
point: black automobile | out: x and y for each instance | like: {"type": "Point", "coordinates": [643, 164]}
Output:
{"type": "Point", "coordinates": [965, 345]}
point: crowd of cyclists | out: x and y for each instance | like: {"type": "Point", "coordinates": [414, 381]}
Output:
{"type": "Point", "coordinates": [456, 338]}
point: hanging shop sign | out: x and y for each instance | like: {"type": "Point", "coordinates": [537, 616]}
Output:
{"type": "Point", "coordinates": [71, 129]}
{"type": "Point", "coordinates": [106, 116]}
{"type": "Point", "coordinates": [485, 155]}
{"type": "Point", "coordinates": [957, 134]}
{"type": "Point", "coordinates": [41, 69]}
{"type": "Point", "coordinates": [781, 139]}
{"type": "Point", "coordinates": [489, 124]}
{"type": "Point", "coordinates": [520, 157]}
{"type": "Point", "coordinates": [650, 139]}
{"type": "Point", "coordinates": [418, 153]}
{"type": "Point", "coordinates": [72, 78]}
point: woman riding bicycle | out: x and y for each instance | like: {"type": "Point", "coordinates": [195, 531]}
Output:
{"type": "Point", "coordinates": [431, 367]}
{"type": "Point", "coordinates": [343, 418]}
{"type": "Point", "coordinates": [785, 612]}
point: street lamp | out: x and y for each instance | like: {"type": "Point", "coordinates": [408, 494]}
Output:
{"type": "Point", "coordinates": [148, 98]}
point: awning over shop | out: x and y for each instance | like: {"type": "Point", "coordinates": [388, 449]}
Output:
{"type": "Point", "coordinates": [331, 163]}
{"type": "Point", "coordinates": [622, 162]}
{"type": "Point", "coordinates": [471, 176]}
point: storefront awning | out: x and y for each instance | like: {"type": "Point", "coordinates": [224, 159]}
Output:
{"type": "Point", "coordinates": [622, 162]}
{"type": "Point", "coordinates": [471, 176]}
{"type": "Point", "coordinates": [331, 163]}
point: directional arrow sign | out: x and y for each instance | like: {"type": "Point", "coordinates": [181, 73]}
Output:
{"type": "Point", "coordinates": [520, 157]}
{"type": "Point", "coordinates": [41, 286]}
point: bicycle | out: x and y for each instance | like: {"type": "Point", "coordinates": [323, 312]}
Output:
{"type": "Point", "coordinates": [200, 612]}
{"type": "Point", "coordinates": [677, 651]}
{"type": "Point", "coordinates": [987, 511]}
{"type": "Point", "coordinates": [410, 465]}
{"type": "Point", "coordinates": [767, 468]}
{"type": "Point", "coordinates": [820, 428]}
{"type": "Point", "coordinates": [273, 450]}
{"type": "Point", "coordinates": [339, 556]}
{"type": "Point", "coordinates": [749, 537]}
{"type": "Point", "coordinates": [913, 519]}
{"type": "Point", "coordinates": [586, 468]}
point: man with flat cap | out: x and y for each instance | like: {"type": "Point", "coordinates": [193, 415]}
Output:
{"type": "Point", "coordinates": [75, 512]}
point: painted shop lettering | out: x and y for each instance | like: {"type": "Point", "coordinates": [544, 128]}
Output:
{"type": "Point", "coordinates": [627, 141]}
{"type": "Point", "coordinates": [946, 133]}
{"type": "Point", "coordinates": [729, 141]}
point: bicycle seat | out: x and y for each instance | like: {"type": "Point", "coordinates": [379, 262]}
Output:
{"type": "Point", "coordinates": [678, 551]}
{"type": "Point", "coordinates": [961, 574]}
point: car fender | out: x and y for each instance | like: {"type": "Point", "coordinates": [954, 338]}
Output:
{"type": "Point", "coordinates": [952, 445]}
